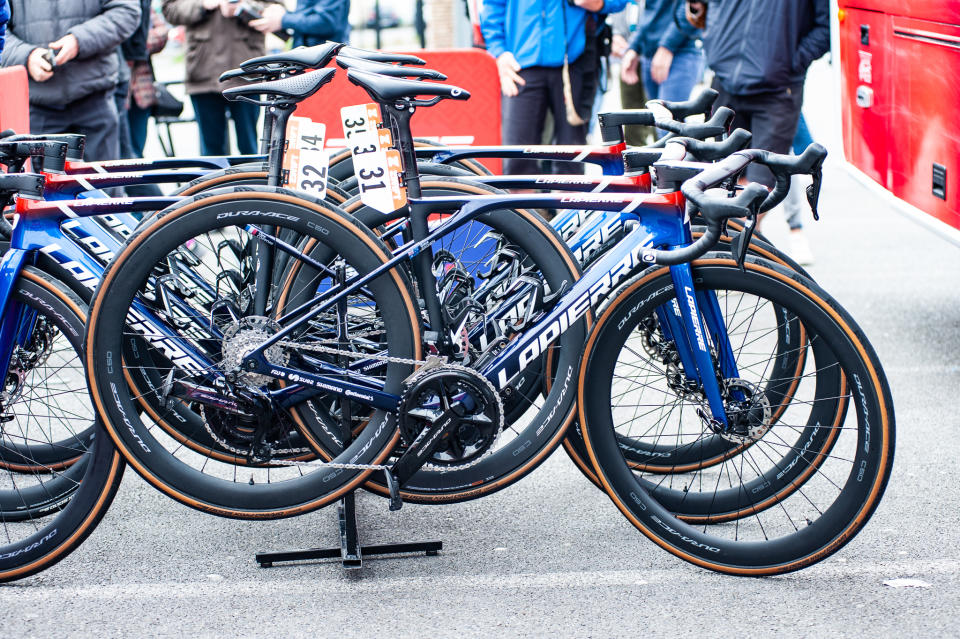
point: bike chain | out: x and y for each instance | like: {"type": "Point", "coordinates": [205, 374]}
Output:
{"type": "Point", "coordinates": [430, 363]}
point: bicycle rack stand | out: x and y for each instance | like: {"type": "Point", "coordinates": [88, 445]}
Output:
{"type": "Point", "coordinates": [350, 551]}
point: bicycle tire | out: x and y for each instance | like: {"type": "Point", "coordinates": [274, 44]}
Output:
{"type": "Point", "coordinates": [233, 497]}
{"type": "Point", "coordinates": [64, 517]}
{"type": "Point", "coordinates": [858, 480]}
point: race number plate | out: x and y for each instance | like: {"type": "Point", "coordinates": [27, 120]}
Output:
{"type": "Point", "coordinates": [360, 119]}
{"type": "Point", "coordinates": [378, 173]}
{"type": "Point", "coordinates": [305, 160]}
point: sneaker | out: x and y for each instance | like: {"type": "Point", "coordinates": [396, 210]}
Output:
{"type": "Point", "coordinates": [800, 248]}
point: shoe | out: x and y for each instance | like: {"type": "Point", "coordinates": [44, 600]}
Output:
{"type": "Point", "coordinates": [800, 248]}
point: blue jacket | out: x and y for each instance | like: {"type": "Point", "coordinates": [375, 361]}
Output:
{"type": "Point", "coordinates": [758, 46]}
{"type": "Point", "coordinates": [4, 18]}
{"type": "Point", "coordinates": [532, 30]}
{"type": "Point", "coordinates": [664, 24]}
{"type": "Point", "coordinates": [316, 21]}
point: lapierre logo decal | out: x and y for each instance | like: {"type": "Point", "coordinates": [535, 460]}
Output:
{"type": "Point", "coordinates": [575, 310]}
{"type": "Point", "coordinates": [697, 330]}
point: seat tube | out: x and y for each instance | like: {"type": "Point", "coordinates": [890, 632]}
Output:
{"type": "Point", "coordinates": [697, 337]}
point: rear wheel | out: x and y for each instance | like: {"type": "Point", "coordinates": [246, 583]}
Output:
{"type": "Point", "coordinates": [216, 324]}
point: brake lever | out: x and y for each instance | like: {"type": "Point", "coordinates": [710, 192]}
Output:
{"type": "Point", "coordinates": [813, 191]}
{"type": "Point", "coordinates": [741, 241]}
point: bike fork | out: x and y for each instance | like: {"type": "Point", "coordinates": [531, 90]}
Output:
{"type": "Point", "coordinates": [694, 341]}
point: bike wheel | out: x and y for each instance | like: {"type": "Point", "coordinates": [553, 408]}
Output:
{"type": "Point", "coordinates": [649, 455]}
{"type": "Point", "coordinates": [215, 229]}
{"type": "Point", "coordinates": [46, 511]}
{"type": "Point", "coordinates": [805, 486]}
{"type": "Point", "coordinates": [497, 247]}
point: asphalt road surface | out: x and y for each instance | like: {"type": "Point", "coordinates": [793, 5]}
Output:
{"type": "Point", "coordinates": [552, 555]}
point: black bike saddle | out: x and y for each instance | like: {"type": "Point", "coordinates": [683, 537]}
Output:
{"type": "Point", "coordinates": [292, 89]}
{"type": "Point", "coordinates": [392, 70]}
{"type": "Point", "coordinates": [384, 89]}
{"type": "Point", "coordinates": [304, 57]}
{"type": "Point", "coordinates": [381, 56]}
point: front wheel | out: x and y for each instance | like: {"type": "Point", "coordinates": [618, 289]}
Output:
{"type": "Point", "coordinates": [812, 476]}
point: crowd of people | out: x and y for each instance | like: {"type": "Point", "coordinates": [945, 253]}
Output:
{"type": "Point", "coordinates": [89, 69]}
{"type": "Point", "coordinates": [758, 54]}
{"type": "Point", "coordinates": [90, 72]}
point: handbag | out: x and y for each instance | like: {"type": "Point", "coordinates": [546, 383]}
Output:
{"type": "Point", "coordinates": [167, 105]}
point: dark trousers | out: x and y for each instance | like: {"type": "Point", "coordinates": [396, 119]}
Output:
{"type": "Point", "coordinates": [138, 119]}
{"type": "Point", "coordinates": [524, 115]}
{"type": "Point", "coordinates": [95, 116]}
{"type": "Point", "coordinates": [772, 119]}
{"type": "Point", "coordinates": [211, 110]}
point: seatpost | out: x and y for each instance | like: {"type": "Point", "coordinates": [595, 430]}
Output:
{"type": "Point", "coordinates": [279, 114]}
{"type": "Point", "coordinates": [269, 120]}
{"type": "Point", "coordinates": [400, 114]}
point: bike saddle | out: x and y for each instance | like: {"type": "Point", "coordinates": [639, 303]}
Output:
{"type": "Point", "coordinates": [346, 62]}
{"type": "Point", "coordinates": [384, 89]}
{"type": "Point", "coordinates": [381, 56]}
{"type": "Point", "coordinates": [292, 89]}
{"type": "Point", "coordinates": [304, 57]}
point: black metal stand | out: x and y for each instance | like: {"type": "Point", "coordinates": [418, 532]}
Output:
{"type": "Point", "coordinates": [350, 551]}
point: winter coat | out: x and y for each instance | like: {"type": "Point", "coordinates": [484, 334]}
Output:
{"type": "Point", "coordinates": [214, 43]}
{"type": "Point", "coordinates": [99, 26]}
{"type": "Point", "coordinates": [757, 46]}
{"type": "Point", "coordinates": [537, 32]}
{"type": "Point", "coordinates": [316, 21]}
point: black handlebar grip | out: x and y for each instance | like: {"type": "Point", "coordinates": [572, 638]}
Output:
{"type": "Point", "coordinates": [810, 159]}
{"type": "Point", "coordinates": [693, 106]}
{"type": "Point", "coordinates": [715, 127]}
{"type": "Point", "coordinates": [712, 151]}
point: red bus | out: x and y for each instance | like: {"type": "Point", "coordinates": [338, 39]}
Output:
{"type": "Point", "coordinates": [900, 102]}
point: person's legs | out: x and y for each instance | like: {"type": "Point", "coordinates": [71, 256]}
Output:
{"type": "Point", "coordinates": [211, 113]}
{"type": "Point", "coordinates": [138, 119]}
{"type": "Point", "coordinates": [564, 132]}
{"type": "Point", "coordinates": [96, 117]}
{"type": "Point", "coordinates": [245, 116]}
{"type": "Point", "coordinates": [123, 125]}
{"type": "Point", "coordinates": [773, 123]}
{"type": "Point", "coordinates": [632, 96]}
{"type": "Point", "coordinates": [523, 116]}
{"type": "Point", "coordinates": [685, 71]}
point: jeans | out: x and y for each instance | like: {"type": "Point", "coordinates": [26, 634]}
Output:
{"type": "Point", "coordinates": [685, 71]}
{"type": "Point", "coordinates": [211, 110]}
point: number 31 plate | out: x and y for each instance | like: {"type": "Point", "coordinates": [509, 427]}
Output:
{"type": "Point", "coordinates": [378, 173]}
